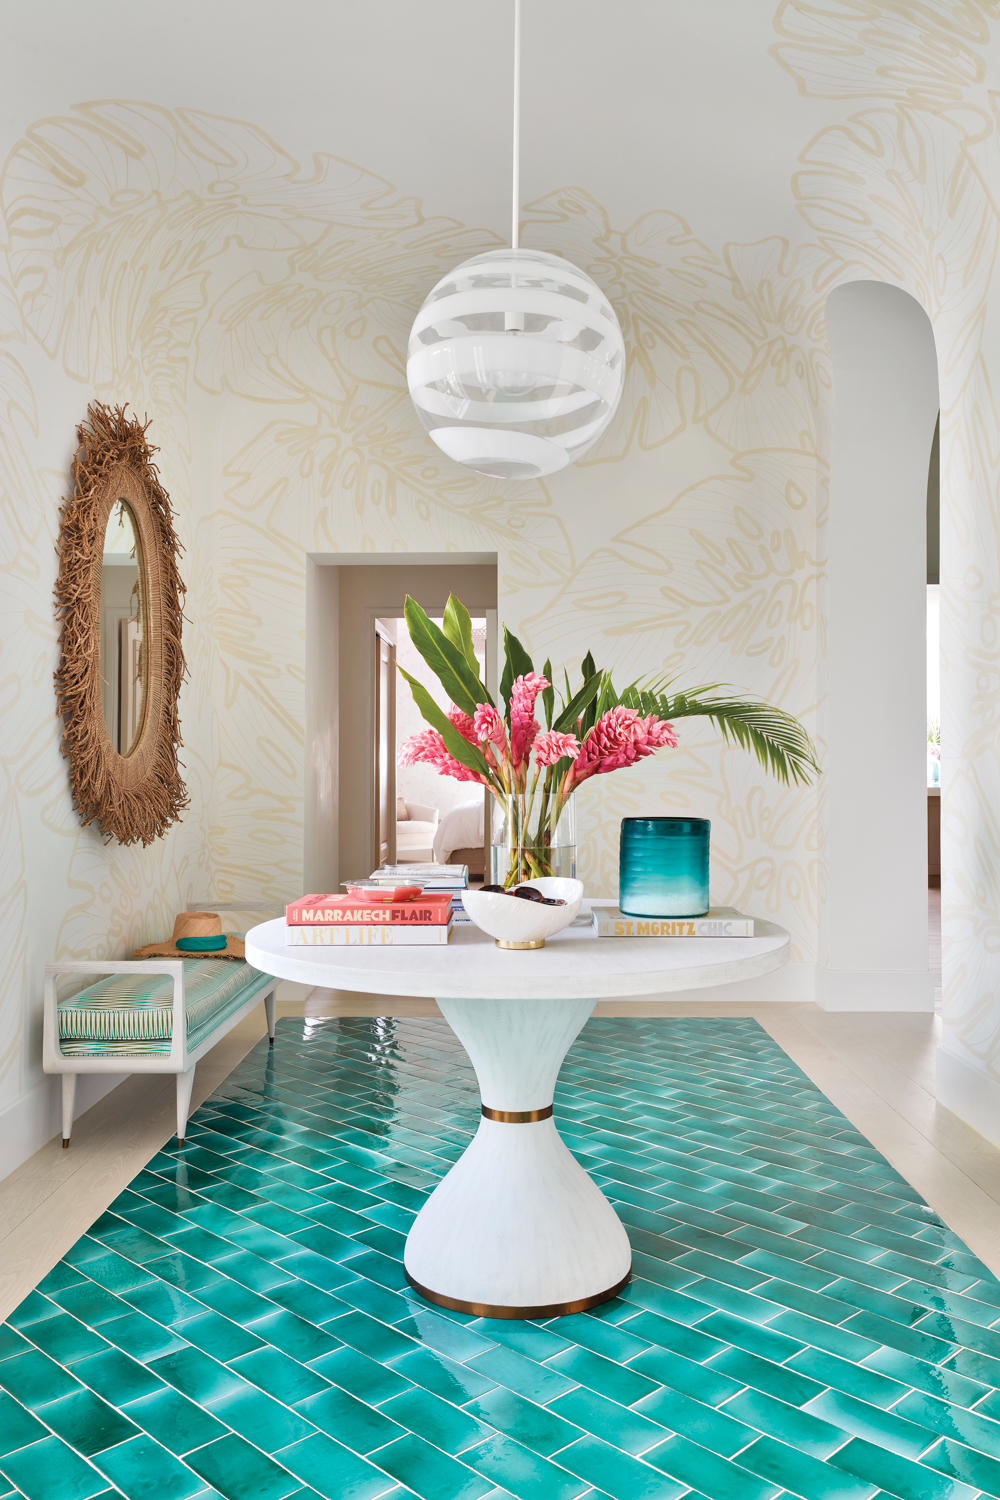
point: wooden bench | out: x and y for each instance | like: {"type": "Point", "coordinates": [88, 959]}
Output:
{"type": "Point", "coordinates": [151, 1015]}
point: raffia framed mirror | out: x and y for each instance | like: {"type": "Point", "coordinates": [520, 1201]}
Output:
{"type": "Point", "coordinates": [119, 601]}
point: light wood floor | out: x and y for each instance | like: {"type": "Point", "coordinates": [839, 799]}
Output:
{"type": "Point", "coordinates": [878, 1069]}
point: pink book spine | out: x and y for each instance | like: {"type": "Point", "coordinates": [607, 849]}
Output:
{"type": "Point", "coordinates": [316, 911]}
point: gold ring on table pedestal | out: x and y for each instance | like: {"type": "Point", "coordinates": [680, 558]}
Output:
{"type": "Point", "coordinates": [490, 1310]}
{"type": "Point", "coordinates": [516, 1116]}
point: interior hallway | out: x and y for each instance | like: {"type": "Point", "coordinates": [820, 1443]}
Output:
{"type": "Point", "coordinates": [877, 1068]}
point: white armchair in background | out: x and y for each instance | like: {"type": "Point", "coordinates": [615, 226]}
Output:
{"type": "Point", "coordinates": [415, 835]}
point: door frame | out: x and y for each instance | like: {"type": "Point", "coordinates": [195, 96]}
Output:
{"type": "Point", "coordinates": [382, 636]}
{"type": "Point", "coordinates": [341, 606]}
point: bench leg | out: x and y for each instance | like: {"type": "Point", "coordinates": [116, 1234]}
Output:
{"type": "Point", "coordinates": [269, 1000]}
{"type": "Point", "coordinates": [68, 1102]}
{"type": "Point", "coordinates": [185, 1083]}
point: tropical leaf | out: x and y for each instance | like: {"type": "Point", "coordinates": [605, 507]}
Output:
{"type": "Point", "coordinates": [455, 743]}
{"type": "Point", "coordinates": [445, 660]}
{"type": "Point", "coordinates": [458, 629]}
{"type": "Point", "coordinates": [777, 739]}
{"type": "Point", "coordinates": [607, 697]}
{"type": "Point", "coordinates": [592, 710]}
{"type": "Point", "coordinates": [578, 705]}
{"type": "Point", "coordinates": [548, 694]}
{"type": "Point", "coordinates": [517, 663]}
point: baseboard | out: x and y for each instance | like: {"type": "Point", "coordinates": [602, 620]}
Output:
{"type": "Point", "coordinates": [874, 989]}
{"type": "Point", "coordinates": [969, 1093]}
{"type": "Point", "coordinates": [795, 981]}
{"type": "Point", "coordinates": [31, 1121]}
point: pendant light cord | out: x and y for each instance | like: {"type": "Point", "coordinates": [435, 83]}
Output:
{"type": "Point", "coordinates": [515, 211]}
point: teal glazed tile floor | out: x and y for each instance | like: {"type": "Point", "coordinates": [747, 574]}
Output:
{"type": "Point", "coordinates": [237, 1324]}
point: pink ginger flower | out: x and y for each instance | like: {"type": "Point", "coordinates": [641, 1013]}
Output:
{"type": "Point", "coordinates": [463, 724]}
{"type": "Point", "coordinates": [553, 746]}
{"type": "Point", "coordinates": [429, 749]}
{"type": "Point", "coordinates": [525, 690]}
{"type": "Point", "coordinates": [523, 726]}
{"type": "Point", "coordinates": [619, 738]}
{"type": "Point", "coordinates": [488, 725]}
{"type": "Point", "coordinates": [659, 733]}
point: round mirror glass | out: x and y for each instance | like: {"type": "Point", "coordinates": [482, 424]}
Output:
{"type": "Point", "coordinates": [123, 625]}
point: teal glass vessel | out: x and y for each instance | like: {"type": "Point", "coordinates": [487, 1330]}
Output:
{"type": "Point", "coordinates": [663, 867]}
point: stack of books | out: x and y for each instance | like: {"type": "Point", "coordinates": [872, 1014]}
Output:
{"type": "Point", "coordinates": [720, 921]}
{"type": "Point", "coordinates": [433, 878]}
{"type": "Point", "coordinates": [347, 922]}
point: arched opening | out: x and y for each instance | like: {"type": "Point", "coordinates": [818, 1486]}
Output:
{"type": "Point", "coordinates": [873, 799]}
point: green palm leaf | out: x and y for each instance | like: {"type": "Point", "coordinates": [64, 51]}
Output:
{"type": "Point", "coordinates": [778, 741]}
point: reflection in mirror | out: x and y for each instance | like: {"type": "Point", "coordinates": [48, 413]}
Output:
{"type": "Point", "coordinates": [123, 619]}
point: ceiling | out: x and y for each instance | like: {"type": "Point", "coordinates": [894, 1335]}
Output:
{"type": "Point", "coordinates": [647, 104]}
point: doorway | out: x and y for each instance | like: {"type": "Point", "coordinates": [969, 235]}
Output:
{"type": "Point", "coordinates": [346, 594]}
{"type": "Point", "coordinates": [934, 714]}
{"type": "Point", "coordinates": [384, 743]}
{"type": "Point", "coordinates": [438, 819]}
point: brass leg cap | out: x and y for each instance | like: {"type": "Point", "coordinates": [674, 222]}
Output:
{"type": "Point", "coordinates": [65, 1144]}
{"type": "Point", "coordinates": [491, 1310]}
{"type": "Point", "coordinates": [180, 1143]}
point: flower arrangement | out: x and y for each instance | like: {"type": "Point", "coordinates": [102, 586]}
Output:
{"type": "Point", "coordinates": [934, 750]}
{"type": "Point", "coordinates": [532, 771]}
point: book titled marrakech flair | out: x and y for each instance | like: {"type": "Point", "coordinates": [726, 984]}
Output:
{"type": "Point", "coordinates": [339, 911]}
{"type": "Point", "coordinates": [345, 922]}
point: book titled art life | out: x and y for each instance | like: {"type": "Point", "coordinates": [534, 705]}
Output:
{"type": "Point", "coordinates": [430, 910]}
{"type": "Point", "coordinates": [719, 921]}
{"type": "Point", "coordinates": [367, 936]}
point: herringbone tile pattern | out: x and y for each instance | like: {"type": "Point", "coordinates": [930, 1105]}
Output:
{"type": "Point", "coordinates": [238, 1324]}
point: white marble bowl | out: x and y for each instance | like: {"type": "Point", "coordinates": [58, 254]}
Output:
{"type": "Point", "coordinates": [515, 923]}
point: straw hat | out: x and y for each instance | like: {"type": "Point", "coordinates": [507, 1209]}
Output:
{"type": "Point", "coordinates": [194, 925]}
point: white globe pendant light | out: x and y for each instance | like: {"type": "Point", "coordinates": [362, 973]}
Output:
{"type": "Point", "coordinates": [516, 362]}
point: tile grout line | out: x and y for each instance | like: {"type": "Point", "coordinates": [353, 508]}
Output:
{"type": "Point", "coordinates": [470, 1356]}
{"type": "Point", "coordinates": [952, 1193]}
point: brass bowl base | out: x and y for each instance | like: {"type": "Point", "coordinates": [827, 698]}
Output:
{"type": "Point", "coordinates": [506, 943]}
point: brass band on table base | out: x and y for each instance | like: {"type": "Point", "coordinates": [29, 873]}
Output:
{"type": "Point", "coordinates": [490, 1310]}
{"type": "Point", "coordinates": [507, 943]}
{"type": "Point", "coordinates": [516, 1116]}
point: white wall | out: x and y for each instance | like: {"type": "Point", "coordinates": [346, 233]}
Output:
{"type": "Point", "coordinates": [873, 930]}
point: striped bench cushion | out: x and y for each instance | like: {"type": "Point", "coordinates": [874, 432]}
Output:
{"type": "Point", "coordinates": [129, 1015]}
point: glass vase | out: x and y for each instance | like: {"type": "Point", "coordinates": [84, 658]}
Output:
{"type": "Point", "coordinates": [663, 867]}
{"type": "Point", "coordinates": [532, 835]}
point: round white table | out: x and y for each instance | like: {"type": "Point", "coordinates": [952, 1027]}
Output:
{"type": "Point", "coordinates": [517, 1229]}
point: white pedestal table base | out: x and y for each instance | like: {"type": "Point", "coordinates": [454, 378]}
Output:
{"type": "Point", "coordinates": [517, 1229]}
